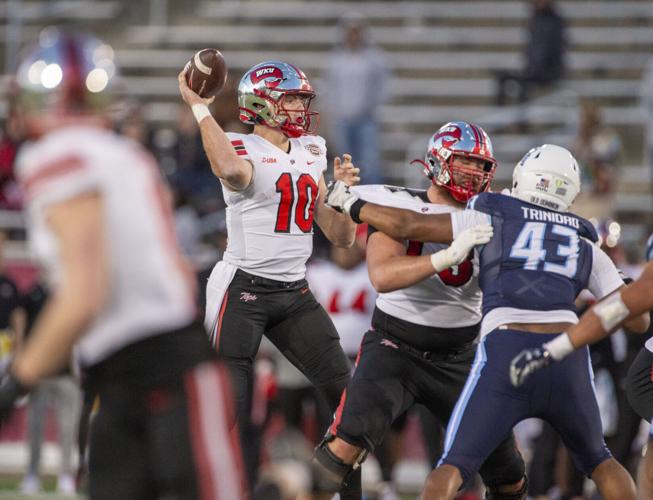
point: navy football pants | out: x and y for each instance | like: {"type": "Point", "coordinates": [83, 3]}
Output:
{"type": "Point", "coordinates": [489, 406]}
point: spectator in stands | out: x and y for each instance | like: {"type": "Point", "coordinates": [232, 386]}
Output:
{"type": "Point", "coordinates": [356, 83]}
{"type": "Point", "coordinates": [646, 100]}
{"type": "Point", "coordinates": [544, 57]}
{"type": "Point", "coordinates": [598, 150]}
{"type": "Point", "coordinates": [63, 392]}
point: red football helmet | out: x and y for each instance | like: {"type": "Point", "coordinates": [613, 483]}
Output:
{"type": "Point", "coordinates": [263, 92]}
{"type": "Point", "coordinates": [64, 76]}
{"type": "Point", "coordinates": [460, 139]}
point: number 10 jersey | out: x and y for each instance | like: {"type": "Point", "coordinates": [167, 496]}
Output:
{"type": "Point", "coordinates": [270, 223]}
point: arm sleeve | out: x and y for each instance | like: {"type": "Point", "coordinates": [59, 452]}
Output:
{"type": "Point", "coordinates": [604, 278]}
{"type": "Point", "coordinates": [464, 219]}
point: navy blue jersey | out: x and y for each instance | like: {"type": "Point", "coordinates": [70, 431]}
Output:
{"type": "Point", "coordinates": [538, 259]}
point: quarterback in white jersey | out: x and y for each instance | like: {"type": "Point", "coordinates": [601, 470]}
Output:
{"type": "Point", "coordinates": [427, 315]}
{"type": "Point", "coordinates": [100, 221]}
{"type": "Point", "coordinates": [273, 185]}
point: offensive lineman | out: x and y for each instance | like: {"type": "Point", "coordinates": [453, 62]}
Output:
{"type": "Point", "coordinates": [273, 184]}
{"type": "Point", "coordinates": [420, 346]}
{"type": "Point", "coordinates": [121, 292]}
{"type": "Point", "coordinates": [530, 273]}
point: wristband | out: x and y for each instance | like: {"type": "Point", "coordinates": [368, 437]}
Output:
{"type": "Point", "coordinates": [560, 346]}
{"type": "Point", "coordinates": [611, 311]}
{"type": "Point", "coordinates": [200, 111]}
{"type": "Point", "coordinates": [355, 209]}
{"type": "Point", "coordinates": [440, 261]}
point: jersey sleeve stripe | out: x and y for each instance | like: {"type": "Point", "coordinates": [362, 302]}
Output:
{"type": "Point", "coordinates": [62, 166]}
{"type": "Point", "coordinates": [239, 147]}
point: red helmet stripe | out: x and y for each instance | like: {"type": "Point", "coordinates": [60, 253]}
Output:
{"type": "Point", "coordinates": [480, 134]}
{"type": "Point", "coordinates": [477, 139]}
{"type": "Point", "coordinates": [74, 80]}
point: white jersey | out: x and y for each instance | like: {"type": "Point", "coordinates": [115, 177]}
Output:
{"type": "Point", "coordinates": [603, 280]}
{"type": "Point", "coordinates": [151, 287]}
{"type": "Point", "coordinates": [348, 296]}
{"type": "Point", "coordinates": [270, 223]}
{"type": "Point", "coordinates": [449, 299]}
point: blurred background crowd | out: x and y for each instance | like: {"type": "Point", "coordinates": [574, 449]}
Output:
{"type": "Point", "coordinates": [576, 73]}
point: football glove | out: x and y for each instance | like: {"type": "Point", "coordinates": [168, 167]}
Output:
{"type": "Point", "coordinates": [339, 197]}
{"type": "Point", "coordinates": [461, 246]}
{"type": "Point", "coordinates": [10, 390]}
{"type": "Point", "coordinates": [527, 362]}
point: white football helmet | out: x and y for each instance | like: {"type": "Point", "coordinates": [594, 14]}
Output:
{"type": "Point", "coordinates": [548, 176]}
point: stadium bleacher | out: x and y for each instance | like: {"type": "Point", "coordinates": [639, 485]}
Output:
{"type": "Point", "coordinates": [442, 55]}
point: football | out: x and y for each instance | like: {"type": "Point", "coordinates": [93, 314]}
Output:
{"type": "Point", "coordinates": [206, 72]}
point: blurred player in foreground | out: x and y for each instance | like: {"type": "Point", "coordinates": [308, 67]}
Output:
{"type": "Point", "coordinates": [122, 294]}
{"type": "Point", "coordinates": [601, 320]}
{"type": "Point", "coordinates": [273, 185]}
{"type": "Point", "coordinates": [539, 259]}
{"type": "Point", "coordinates": [426, 318]}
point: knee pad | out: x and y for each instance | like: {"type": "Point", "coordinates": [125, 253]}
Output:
{"type": "Point", "coordinates": [493, 493]}
{"type": "Point", "coordinates": [329, 472]}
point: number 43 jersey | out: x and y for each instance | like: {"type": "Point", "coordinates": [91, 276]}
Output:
{"type": "Point", "coordinates": [270, 223]}
{"type": "Point", "coordinates": [537, 262]}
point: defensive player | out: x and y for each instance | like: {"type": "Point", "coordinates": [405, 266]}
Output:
{"type": "Point", "coordinates": [602, 319]}
{"type": "Point", "coordinates": [100, 221]}
{"type": "Point", "coordinates": [271, 180]}
{"type": "Point", "coordinates": [426, 318]}
{"type": "Point", "coordinates": [538, 261]}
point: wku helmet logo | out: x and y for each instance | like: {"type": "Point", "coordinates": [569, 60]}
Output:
{"type": "Point", "coordinates": [449, 136]}
{"type": "Point", "coordinates": [271, 73]}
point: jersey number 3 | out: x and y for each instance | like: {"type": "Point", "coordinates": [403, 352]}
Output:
{"type": "Point", "coordinates": [306, 196]}
{"type": "Point", "coordinates": [560, 258]}
{"type": "Point", "coordinates": [454, 276]}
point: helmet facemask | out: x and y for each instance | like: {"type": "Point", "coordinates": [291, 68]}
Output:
{"type": "Point", "coordinates": [463, 181]}
{"type": "Point", "coordinates": [296, 121]}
